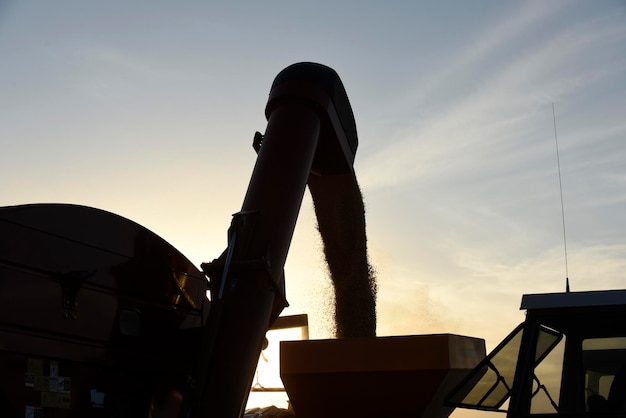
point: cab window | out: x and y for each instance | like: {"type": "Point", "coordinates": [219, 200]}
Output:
{"type": "Point", "coordinates": [604, 364]}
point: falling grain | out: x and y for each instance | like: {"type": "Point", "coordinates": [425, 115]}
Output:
{"type": "Point", "coordinates": [341, 221]}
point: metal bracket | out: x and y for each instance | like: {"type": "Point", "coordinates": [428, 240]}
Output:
{"type": "Point", "coordinates": [71, 283]}
{"type": "Point", "coordinates": [257, 141]}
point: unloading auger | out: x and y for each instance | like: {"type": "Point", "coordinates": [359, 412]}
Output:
{"type": "Point", "coordinates": [100, 317]}
{"type": "Point", "coordinates": [310, 136]}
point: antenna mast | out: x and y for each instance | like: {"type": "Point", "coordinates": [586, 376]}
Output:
{"type": "Point", "coordinates": [558, 162]}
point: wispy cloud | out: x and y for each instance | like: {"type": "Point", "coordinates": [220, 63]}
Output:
{"type": "Point", "coordinates": [480, 167]}
{"type": "Point", "coordinates": [493, 39]}
{"type": "Point", "coordinates": [108, 71]}
{"type": "Point", "coordinates": [471, 128]}
{"type": "Point", "coordinates": [484, 301]}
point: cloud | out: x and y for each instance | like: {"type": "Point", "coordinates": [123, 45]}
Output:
{"type": "Point", "coordinates": [108, 72]}
{"type": "Point", "coordinates": [493, 39]}
{"type": "Point", "coordinates": [502, 107]}
{"type": "Point", "coordinates": [484, 301]}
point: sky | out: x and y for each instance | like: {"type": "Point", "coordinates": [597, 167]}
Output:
{"type": "Point", "coordinates": [148, 109]}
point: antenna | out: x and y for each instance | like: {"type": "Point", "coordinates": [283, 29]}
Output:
{"type": "Point", "coordinates": [558, 162]}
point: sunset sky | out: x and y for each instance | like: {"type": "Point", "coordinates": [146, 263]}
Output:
{"type": "Point", "coordinates": [148, 109]}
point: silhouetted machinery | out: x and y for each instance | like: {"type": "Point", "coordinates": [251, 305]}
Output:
{"type": "Point", "coordinates": [99, 317]}
{"type": "Point", "coordinates": [567, 359]}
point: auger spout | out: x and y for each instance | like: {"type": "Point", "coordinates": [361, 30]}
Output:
{"type": "Point", "coordinates": [310, 134]}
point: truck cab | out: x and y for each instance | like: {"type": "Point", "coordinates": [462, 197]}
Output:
{"type": "Point", "coordinates": [568, 358]}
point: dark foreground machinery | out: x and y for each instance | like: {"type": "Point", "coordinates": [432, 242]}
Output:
{"type": "Point", "coordinates": [99, 317]}
{"type": "Point", "coordinates": [568, 359]}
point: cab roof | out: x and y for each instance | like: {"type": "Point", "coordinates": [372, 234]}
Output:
{"type": "Point", "coordinates": [574, 299]}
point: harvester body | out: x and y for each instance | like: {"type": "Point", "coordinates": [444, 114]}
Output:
{"type": "Point", "coordinates": [99, 317]}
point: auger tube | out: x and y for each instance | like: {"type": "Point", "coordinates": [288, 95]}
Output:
{"type": "Point", "coordinates": [310, 129]}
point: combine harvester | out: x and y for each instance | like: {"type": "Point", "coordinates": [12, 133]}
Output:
{"type": "Point", "coordinates": [100, 317]}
